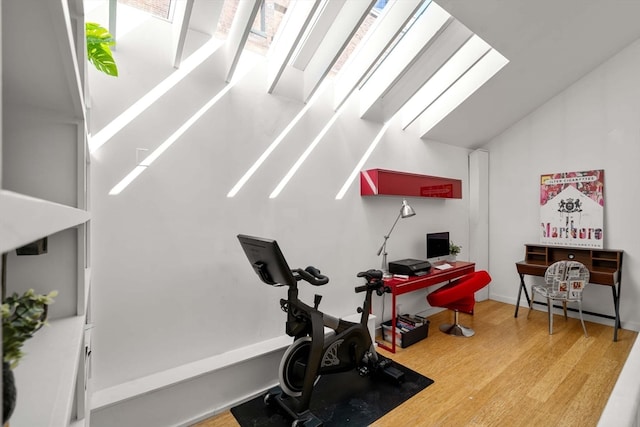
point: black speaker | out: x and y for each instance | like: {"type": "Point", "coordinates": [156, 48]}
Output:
{"type": "Point", "coordinates": [38, 247]}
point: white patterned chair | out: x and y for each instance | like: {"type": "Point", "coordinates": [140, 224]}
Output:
{"type": "Point", "coordinates": [564, 281]}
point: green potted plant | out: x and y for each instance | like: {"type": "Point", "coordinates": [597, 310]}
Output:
{"type": "Point", "coordinates": [22, 316]}
{"type": "Point", "coordinates": [454, 250]}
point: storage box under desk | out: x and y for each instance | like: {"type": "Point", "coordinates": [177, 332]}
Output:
{"type": "Point", "coordinates": [405, 339]}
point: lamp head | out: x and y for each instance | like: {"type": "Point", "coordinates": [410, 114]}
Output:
{"type": "Point", "coordinates": [406, 211]}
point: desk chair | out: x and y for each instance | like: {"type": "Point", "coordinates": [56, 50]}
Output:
{"type": "Point", "coordinates": [563, 281]}
{"type": "Point", "coordinates": [459, 295]}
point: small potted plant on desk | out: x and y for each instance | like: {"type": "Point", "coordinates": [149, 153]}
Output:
{"type": "Point", "coordinates": [454, 250]}
{"type": "Point", "coordinates": [22, 316]}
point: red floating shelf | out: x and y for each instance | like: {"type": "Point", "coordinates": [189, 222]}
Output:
{"type": "Point", "coordinates": [381, 182]}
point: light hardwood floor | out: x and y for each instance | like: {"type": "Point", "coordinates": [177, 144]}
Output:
{"type": "Point", "coordinates": [511, 373]}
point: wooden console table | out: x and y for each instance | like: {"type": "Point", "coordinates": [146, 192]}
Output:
{"type": "Point", "coordinates": [605, 268]}
{"type": "Point", "coordinates": [434, 277]}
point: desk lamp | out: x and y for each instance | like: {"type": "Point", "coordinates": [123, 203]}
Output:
{"type": "Point", "coordinates": [405, 212]}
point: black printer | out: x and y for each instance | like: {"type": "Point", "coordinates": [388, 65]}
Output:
{"type": "Point", "coordinates": [410, 267]}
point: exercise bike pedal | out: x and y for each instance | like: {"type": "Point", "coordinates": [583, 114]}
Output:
{"type": "Point", "coordinates": [385, 366]}
{"type": "Point", "coordinates": [276, 398]}
{"type": "Point", "coordinates": [272, 394]}
{"type": "Point", "coordinates": [364, 371]}
{"type": "Point", "coordinates": [308, 421]}
{"type": "Point", "coordinates": [394, 374]}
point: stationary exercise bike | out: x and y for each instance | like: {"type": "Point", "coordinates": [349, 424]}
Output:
{"type": "Point", "coordinates": [312, 354]}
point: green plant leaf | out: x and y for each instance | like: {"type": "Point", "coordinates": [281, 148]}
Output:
{"type": "Point", "coordinates": [22, 316]}
{"type": "Point", "coordinates": [98, 52]}
{"type": "Point", "coordinates": [102, 58]}
{"type": "Point", "coordinates": [98, 34]}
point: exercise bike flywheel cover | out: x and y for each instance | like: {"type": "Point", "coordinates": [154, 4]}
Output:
{"type": "Point", "coordinates": [297, 351]}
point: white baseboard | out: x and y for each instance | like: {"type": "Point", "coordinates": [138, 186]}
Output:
{"type": "Point", "coordinates": [186, 394]}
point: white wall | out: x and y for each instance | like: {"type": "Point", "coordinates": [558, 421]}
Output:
{"type": "Point", "coordinates": [593, 124]}
{"type": "Point", "coordinates": [479, 213]}
{"type": "Point", "coordinates": [170, 282]}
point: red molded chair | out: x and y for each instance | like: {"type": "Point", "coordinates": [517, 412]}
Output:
{"type": "Point", "coordinates": [459, 296]}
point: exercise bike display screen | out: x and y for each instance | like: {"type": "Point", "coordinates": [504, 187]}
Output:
{"type": "Point", "coordinates": [267, 260]}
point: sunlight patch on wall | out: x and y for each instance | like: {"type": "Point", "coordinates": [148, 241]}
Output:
{"type": "Point", "coordinates": [243, 68]}
{"type": "Point", "coordinates": [117, 189]}
{"type": "Point", "coordinates": [356, 171]}
{"type": "Point", "coordinates": [306, 153]}
{"type": "Point", "coordinates": [273, 145]}
{"type": "Point", "coordinates": [198, 57]}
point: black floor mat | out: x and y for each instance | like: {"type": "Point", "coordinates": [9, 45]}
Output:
{"type": "Point", "coordinates": [344, 399]}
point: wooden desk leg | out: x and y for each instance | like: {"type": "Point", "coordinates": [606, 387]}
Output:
{"type": "Point", "coordinates": [526, 294]}
{"type": "Point", "coordinates": [616, 305]}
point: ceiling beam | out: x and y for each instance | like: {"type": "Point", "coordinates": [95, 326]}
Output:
{"type": "Point", "coordinates": [465, 58]}
{"type": "Point", "coordinates": [290, 32]}
{"type": "Point", "coordinates": [434, 56]}
{"type": "Point", "coordinates": [315, 33]}
{"type": "Point", "coordinates": [475, 77]}
{"type": "Point", "coordinates": [238, 34]}
{"type": "Point", "coordinates": [195, 15]}
{"type": "Point", "coordinates": [426, 28]}
{"type": "Point", "coordinates": [113, 18]}
{"type": "Point", "coordinates": [180, 26]}
{"type": "Point", "coordinates": [337, 35]}
{"type": "Point", "coordinates": [205, 16]}
{"type": "Point", "coordinates": [388, 25]}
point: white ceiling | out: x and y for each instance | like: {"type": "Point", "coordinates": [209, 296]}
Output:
{"type": "Point", "coordinates": [550, 44]}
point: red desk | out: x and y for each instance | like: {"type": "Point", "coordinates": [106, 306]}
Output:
{"type": "Point", "coordinates": [435, 276]}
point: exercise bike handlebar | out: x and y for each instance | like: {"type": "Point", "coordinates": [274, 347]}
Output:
{"type": "Point", "coordinates": [374, 282]}
{"type": "Point", "coordinates": [311, 275]}
{"type": "Point", "coordinates": [361, 289]}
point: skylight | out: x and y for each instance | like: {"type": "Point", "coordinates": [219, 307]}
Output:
{"type": "Point", "coordinates": [159, 8]}
{"type": "Point", "coordinates": [404, 31]}
{"type": "Point", "coordinates": [396, 56]}
{"type": "Point", "coordinates": [465, 58]}
{"type": "Point", "coordinates": [358, 36]}
{"type": "Point", "coordinates": [380, 4]}
{"type": "Point", "coordinates": [264, 27]}
{"type": "Point", "coordinates": [464, 87]}
{"type": "Point", "coordinates": [432, 65]}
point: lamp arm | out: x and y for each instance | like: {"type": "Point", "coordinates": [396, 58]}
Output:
{"type": "Point", "coordinates": [384, 244]}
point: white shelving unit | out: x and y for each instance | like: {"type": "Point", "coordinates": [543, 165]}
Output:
{"type": "Point", "coordinates": [44, 164]}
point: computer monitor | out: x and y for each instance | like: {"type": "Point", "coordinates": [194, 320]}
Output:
{"type": "Point", "coordinates": [437, 246]}
{"type": "Point", "coordinates": [267, 260]}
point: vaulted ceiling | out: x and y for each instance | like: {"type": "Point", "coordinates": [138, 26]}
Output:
{"type": "Point", "coordinates": [503, 58]}
{"type": "Point", "coordinates": [550, 44]}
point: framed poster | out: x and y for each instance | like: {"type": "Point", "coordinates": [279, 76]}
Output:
{"type": "Point", "coordinates": [572, 209]}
